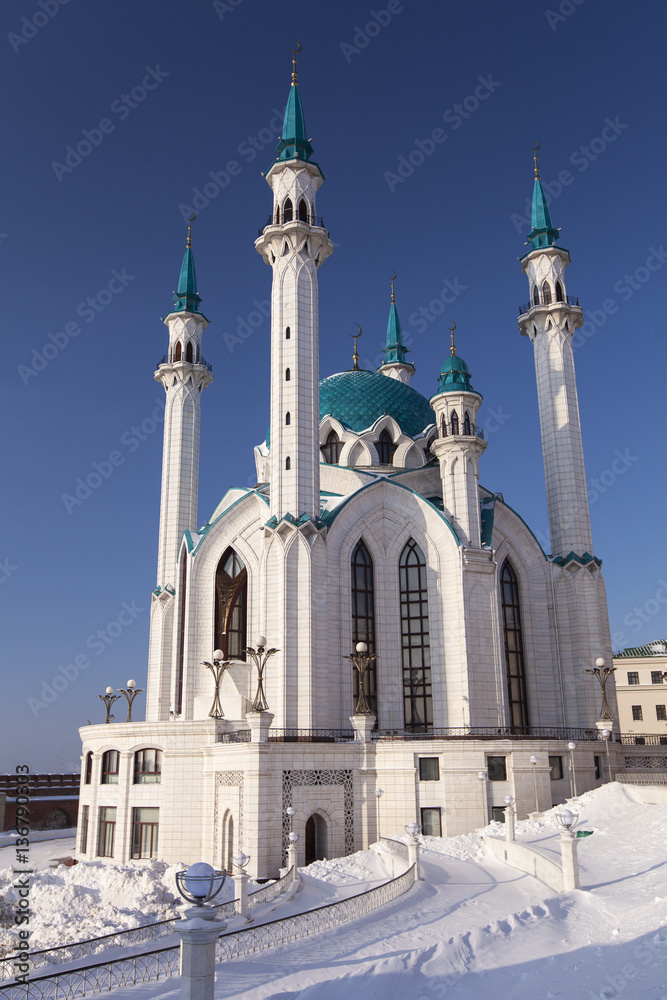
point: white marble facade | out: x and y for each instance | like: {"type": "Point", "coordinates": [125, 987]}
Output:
{"type": "Point", "coordinates": [507, 673]}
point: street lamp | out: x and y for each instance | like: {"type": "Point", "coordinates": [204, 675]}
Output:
{"type": "Point", "coordinates": [566, 818]}
{"type": "Point", "coordinates": [362, 660]}
{"type": "Point", "coordinates": [509, 817]}
{"type": "Point", "coordinates": [217, 668]}
{"type": "Point", "coordinates": [200, 883]}
{"type": "Point", "coordinates": [606, 733]}
{"type": "Point", "coordinates": [603, 674]}
{"type": "Point", "coordinates": [259, 657]}
{"type": "Point", "coordinates": [130, 695]}
{"type": "Point", "coordinates": [241, 877]}
{"type": "Point", "coordinates": [571, 747]}
{"type": "Point", "coordinates": [379, 792]}
{"type": "Point", "coordinates": [481, 775]}
{"type": "Point", "coordinates": [533, 761]}
{"type": "Point", "coordinates": [109, 698]}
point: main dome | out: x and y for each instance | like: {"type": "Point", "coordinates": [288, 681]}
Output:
{"type": "Point", "coordinates": [358, 398]}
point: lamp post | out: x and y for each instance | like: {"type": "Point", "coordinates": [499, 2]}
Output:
{"type": "Point", "coordinates": [413, 849]}
{"type": "Point", "coordinates": [606, 733]}
{"type": "Point", "coordinates": [130, 695]}
{"type": "Point", "coordinates": [603, 674]}
{"type": "Point", "coordinates": [109, 698]}
{"type": "Point", "coordinates": [573, 780]}
{"type": "Point", "coordinates": [259, 657]}
{"type": "Point", "coordinates": [379, 792]}
{"type": "Point", "coordinates": [533, 761]}
{"type": "Point", "coordinates": [362, 660]}
{"type": "Point", "coordinates": [241, 877]}
{"type": "Point", "coordinates": [568, 848]}
{"type": "Point", "coordinates": [481, 776]}
{"type": "Point", "coordinates": [291, 854]}
{"type": "Point", "coordinates": [199, 885]}
{"type": "Point", "coordinates": [217, 668]}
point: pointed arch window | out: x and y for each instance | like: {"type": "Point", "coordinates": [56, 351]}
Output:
{"type": "Point", "coordinates": [363, 618]}
{"type": "Point", "coordinates": [177, 352]}
{"type": "Point", "coordinates": [443, 426]}
{"type": "Point", "coordinates": [546, 293]}
{"type": "Point", "coordinates": [559, 292]}
{"type": "Point", "coordinates": [288, 419]}
{"type": "Point", "coordinates": [331, 449]}
{"type": "Point", "coordinates": [536, 296]}
{"type": "Point", "coordinates": [303, 210]}
{"type": "Point", "coordinates": [188, 352]}
{"type": "Point", "coordinates": [514, 661]}
{"type": "Point", "coordinates": [455, 422]}
{"type": "Point", "coordinates": [288, 210]}
{"type": "Point", "coordinates": [415, 642]}
{"type": "Point", "coordinates": [466, 424]}
{"type": "Point", "coordinates": [231, 601]}
{"type": "Point", "coordinates": [385, 448]}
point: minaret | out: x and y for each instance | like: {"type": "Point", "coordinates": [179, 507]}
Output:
{"type": "Point", "coordinates": [294, 244]}
{"type": "Point", "coordinates": [184, 374]}
{"type": "Point", "coordinates": [395, 365]}
{"type": "Point", "coordinates": [549, 320]}
{"type": "Point", "coordinates": [458, 446]}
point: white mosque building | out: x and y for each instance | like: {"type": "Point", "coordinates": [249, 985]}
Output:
{"type": "Point", "coordinates": [368, 533]}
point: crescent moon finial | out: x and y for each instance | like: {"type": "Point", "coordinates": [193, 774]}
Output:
{"type": "Point", "coordinates": [452, 349]}
{"type": "Point", "coordinates": [392, 278]}
{"type": "Point", "coordinates": [294, 55]}
{"type": "Point", "coordinates": [355, 356]}
{"type": "Point", "coordinates": [190, 221]}
{"type": "Point", "coordinates": [535, 149]}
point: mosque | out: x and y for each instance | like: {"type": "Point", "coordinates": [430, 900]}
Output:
{"type": "Point", "coordinates": [367, 637]}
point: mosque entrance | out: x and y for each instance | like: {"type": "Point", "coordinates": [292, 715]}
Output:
{"type": "Point", "coordinates": [316, 838]}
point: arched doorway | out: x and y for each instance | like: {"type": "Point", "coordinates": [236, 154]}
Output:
{"type": "Point", "coordinates": [316, 838]}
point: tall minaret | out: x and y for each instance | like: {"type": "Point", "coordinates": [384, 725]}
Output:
{"type": "Point", "coordinates": [184, 374]}
{"type": "Point", "coordinates": [294, 244]}
{"type": "Point", "coordinates": [395, 365]}
{"type": "Point", "coordinates": [549, 320]}
{"type": "Point", "coordinates": [458, 446]}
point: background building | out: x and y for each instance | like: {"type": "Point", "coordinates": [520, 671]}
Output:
{"type": "Point", "coordinates": [641, 689]}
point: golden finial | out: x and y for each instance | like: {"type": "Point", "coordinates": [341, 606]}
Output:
{"type": "Point", "coordinates": [452, 349]}
{"type": "Point", "coordinates": [535, 149]}
{"type": "Point", "coordinates": [190, 221]}
{"type": "Point", "coordinates": [355, 356]}
{"type": "Point", "coordinates": [294, 55]}
{"type": "Point", "coordinates": [392, 278]}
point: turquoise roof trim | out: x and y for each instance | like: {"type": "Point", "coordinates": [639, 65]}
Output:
{"type": "Point", "coordinates": [542, 233]}
{"type": "Point", "coordinates": [194, 539]}
{"type": "Point", "coordinates": [186, 298]}
{"type": "Point", "coordinates": [573, 557]}
{"type": "Point", "coordinates": [358, 398]}
{"type": "Point", "coordinates": [294, 143]}
{"type": "Point", "coordinates": [650, 649]}
{"type": "Point", "coordinates": [394, 350]}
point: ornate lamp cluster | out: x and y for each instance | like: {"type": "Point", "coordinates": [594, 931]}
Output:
{"type": "Point", "coordinates": [259, 656]}
{"type": "Point", "coordinates": [109, 698]}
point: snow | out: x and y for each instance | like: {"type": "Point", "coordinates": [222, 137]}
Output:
{"type": "Point", "coordinates": [475, 928]}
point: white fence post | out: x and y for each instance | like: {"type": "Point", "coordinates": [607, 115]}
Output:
{"type": "Point", "coordinates": [198, 934]}
{"type": "Point", "coordinates": [570, 860]}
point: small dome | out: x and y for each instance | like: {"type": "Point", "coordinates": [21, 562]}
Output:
{"type": "Point", "coordinates": [454, 376]}
{"type": "Point", "coordinates": [358, 398]}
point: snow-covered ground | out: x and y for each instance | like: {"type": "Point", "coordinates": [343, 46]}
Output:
{"type": "Point", "coordinates": [474, 928]}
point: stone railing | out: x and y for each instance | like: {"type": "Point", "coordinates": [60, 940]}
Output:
{"type": "Point", "coordinates": [164, 962]}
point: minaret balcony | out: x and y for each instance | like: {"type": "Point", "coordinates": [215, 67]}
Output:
{"type": "Point", "coordinates": [567, 300]}
{"type": "Point", "coordinates": [474, 432]}
{"type": "Point", "coordinates": [316, 221]}
{"type": "Point", "coordinates": [202, 363]}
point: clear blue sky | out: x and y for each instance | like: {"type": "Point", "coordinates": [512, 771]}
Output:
{"type": "Point", "coordinates": [171, 93]}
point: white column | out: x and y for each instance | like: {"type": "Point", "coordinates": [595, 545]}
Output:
{"type": "Point", "coordinates": [569, 859]}
{"type": "Point", "coordinates": [198, 935]}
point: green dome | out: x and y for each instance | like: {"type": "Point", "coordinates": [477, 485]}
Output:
{"type": "Point", "coordinates": [454, 376]}
{"type": "Point", "coordinates": [358, 398]}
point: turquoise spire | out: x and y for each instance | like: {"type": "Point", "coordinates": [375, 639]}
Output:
{"type": "Point", "coordinates": [394, 351]}
{"type": "Point", "coordinates": [294, 144]}
{"type": "Point", "coordinates": [542, 233]}
{"type": "Point", "coordinates": [454, 375]}
{"type": "Point", "coordinates": [186, 298]}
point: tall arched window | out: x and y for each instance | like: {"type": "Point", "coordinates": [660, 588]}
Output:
{"type": "Point", "coordinates": [331, 449]}
{"type": "Point", "coordinates": [188, 352]}
{"type": "Point", "coordinates": [385, 448]}
{"type": "Point", "coordinates": [466, 423]}
{"type": "Point", "coordinates": [288, 464]}
{"type": "Point", "coordinates": [514, 664]}
{"type": "Point", "coordinates": [303, 210]}
{"type": "Point", "coordinates": [288, 374]}
{"type": "Point", "coordinates": [536, 296]}
{"type": "Point", "coordinates": [417, 700]}
{"type": "Point", "coordinates": [363, 617]}
{"type": "Point", "coordinates": [177, 352]}
{"type": "Point", "coordinates": [89, 768]}
{"type": "Point", "coordinates": [559, 292]}
{"type": "Point", "coordinates": [288, 210]}
{"type": "Point", "coordinates": [288, 333]}
{"type": "Point", "coordinates": [443, 426]}
{"type": "Point", "coordinates": [231, 600]}
{"type": "Point", "coordinates": [455, 422]}
{"type": "Point", "coordinates": [546, 293]}
{"type": "Point", "coordinates": [288, 419]}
